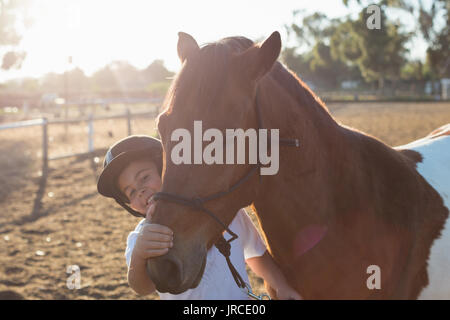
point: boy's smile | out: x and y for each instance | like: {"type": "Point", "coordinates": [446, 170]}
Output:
{"type": "Point", "coordinates": [138, 182]}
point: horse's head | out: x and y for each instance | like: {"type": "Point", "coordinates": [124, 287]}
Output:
{"type": "Point", "coordinates": [217, 85]}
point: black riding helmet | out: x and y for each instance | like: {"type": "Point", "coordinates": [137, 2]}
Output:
{"type": "Point", "coordinates": [118, 156]}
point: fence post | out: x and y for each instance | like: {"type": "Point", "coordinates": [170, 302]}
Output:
{"type": "Point", "coordinates": [44, 143]}
{"type": "Point", "coordinates": [128, 114]}
{"type": "Point", "coordinates": [91, 134]}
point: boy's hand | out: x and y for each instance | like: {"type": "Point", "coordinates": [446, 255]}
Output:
{"type": "Point", "coordinates": [154, 239]}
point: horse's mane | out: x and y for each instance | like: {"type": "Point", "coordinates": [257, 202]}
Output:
{"type": "Point", "coordinates": [204, 75]}
{"type": "Point", "coordinates": [297, 88]}
{"type": "Point", "coordinates": [213, 61]}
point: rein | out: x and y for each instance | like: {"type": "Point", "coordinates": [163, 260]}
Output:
{"type": "Point", "coordinates": [197, 203]}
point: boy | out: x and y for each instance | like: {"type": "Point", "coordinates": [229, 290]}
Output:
{"type": "Point", "coordinates": [131, 175]}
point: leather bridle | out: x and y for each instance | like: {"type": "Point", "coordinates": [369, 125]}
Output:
{"type": "Point", "coordinates": [197, 203]}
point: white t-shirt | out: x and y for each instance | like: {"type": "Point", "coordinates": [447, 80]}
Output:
{"type": "Point", "coordinates": [217, 282]}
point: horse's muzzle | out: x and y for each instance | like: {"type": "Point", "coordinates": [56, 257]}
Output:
{"type": "Point", "coordinates": [166, 273]}
{"type": "Point", "coordinates": [169, 275]}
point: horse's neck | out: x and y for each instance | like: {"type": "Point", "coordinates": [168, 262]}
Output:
{"type": "Point", "coordinates": [321, 207]}
{"type": "Point", "coordinates": [301, 194]}
{"type": "Point", "coordinates": [325, 181]}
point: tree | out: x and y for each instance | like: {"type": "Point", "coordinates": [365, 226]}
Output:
{"type": "Point", "coordinates": [438, 53]}
{"type": "Point", "coordinates": [413, 70]}
{"type": "Point", "coordinates": [317, 64]}
{"type": "Point", "coordinates": [436, 34]}
{"type": "Point", "coordinates": [117, 76]}
{"type": "Point", "coordinates": [299, 63]}
{"type": "Point", "coordinates": [76, 80]}
{"type": "Point", "coordinates": [12, 13]}
{"type": "Point", "coordinates": [156, 72]}
{"type": "Point", "coordinates": [52, 82]}
{"type": "Point", "coordinates": [378, 53]}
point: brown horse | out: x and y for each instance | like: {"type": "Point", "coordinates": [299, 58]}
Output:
{"type": "Point", "coordinates": [341, 203]}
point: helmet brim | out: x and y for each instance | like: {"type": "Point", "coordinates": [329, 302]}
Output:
{"type": "Point", "coordinates": [106, 184]}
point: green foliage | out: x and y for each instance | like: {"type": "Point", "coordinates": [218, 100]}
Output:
{"type": "Point", "coordinates": [13, 59]}
{"type": "Point", "coordinates": [157, 72]}
{"type": "Point", "coordinates": [117, 76]}
{"type": "Point", "coordinates": [344, 43]}
{"type": "Point", "coordinates": [427, 16]}
{"type": "Point", "coordinates": [378, 53]}
{"type": "Point", "coordinates": [121, 76]}
{"type": "Point", "coordinates": [318, 65]}
{"type": "Point", "coordinates": [298, 63]}
{"type": "Point", "coordinates": [413, 70]}
{"type": "Point", "coordinates": [158, 89]}
{"type": "Point", "coordinates": [345, 49]}
{"type": "Point", "coordinates": [438, 54]}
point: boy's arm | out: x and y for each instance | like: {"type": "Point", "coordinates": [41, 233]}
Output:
{"type": "Point", "coordinates": [147, 241]}
{"type": "Point", "coordinates": [265, 267]}
{"type": "Point", "coordinates": [138, 279]}
{"type": "Point", "coordinates": [260, 261]}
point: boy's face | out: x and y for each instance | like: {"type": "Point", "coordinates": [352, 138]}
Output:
{"type": "Point", "coordinates": [138, 182]}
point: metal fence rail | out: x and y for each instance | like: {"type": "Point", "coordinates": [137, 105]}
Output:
{"type": "Point", "coordinates": [44, 123]}
{"type": "Point", "coordinates": [22, 124]}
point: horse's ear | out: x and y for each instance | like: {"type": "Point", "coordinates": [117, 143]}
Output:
{"type": "Point", "coordinates": [187, 46]}
{"type": "Point", "coordinates": [259, 59]}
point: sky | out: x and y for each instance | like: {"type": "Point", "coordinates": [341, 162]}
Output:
{"type": "Point", "coordinates": [96, 32]}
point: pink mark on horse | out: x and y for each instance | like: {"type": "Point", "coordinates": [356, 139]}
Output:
{"type": "Point", "coordinates": [308, 238]}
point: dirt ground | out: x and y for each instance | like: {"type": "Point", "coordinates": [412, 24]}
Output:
{"type": "Point", "coordinates": [52, 220]}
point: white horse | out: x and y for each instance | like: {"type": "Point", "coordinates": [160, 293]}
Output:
{"type": "Point", "coordinates": [435, 168]}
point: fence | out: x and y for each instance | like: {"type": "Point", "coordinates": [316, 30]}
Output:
{"type": "Point", "coordinates": [44, 123]}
